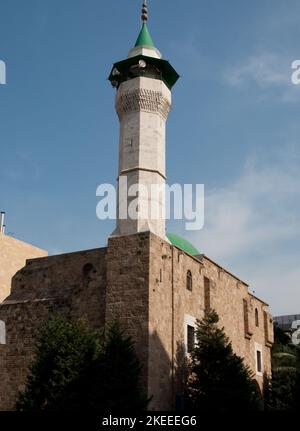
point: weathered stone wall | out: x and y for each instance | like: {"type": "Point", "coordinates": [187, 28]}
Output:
{"type": "Point", "coordinates": [172, 307]}
{"type": "Point", "coordinates": [72, 284]}
{"type": "Point", "coordinates": [141, 280]}
{"type": "Point", "coordinates": [161, 328]}
{"type": "Point", "coordinates": [127, 297]}
{"type": "Point", "coordinates": [22, 320]}
{"type": "Point", "coordinates": [228, 297]}
{"type": "Point", "coordinates": [13, 255]}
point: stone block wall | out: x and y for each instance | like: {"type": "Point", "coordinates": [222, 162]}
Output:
{"type": "Point", "coordinates": [127, 298]}
{"type": "Point", "coordinates": [72, 284]}
{"type": "Point", "coordinates": [22, 320]}
{"type": "Point", "coordinates": [13, 255]}
{"type": "Point", "coordinates": [172, 307]}
{"type": "Point", "coordinates": [140, 280]}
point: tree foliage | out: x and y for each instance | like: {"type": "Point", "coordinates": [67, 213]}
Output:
{"type": "Point", "coordinates": [285, 385]}
{"type": "Point", "coordinates": [75, 368]}
{"type": "Point", "coordinates": [219, 380]}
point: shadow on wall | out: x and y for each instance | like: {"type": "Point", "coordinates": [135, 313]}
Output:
{"type": "Point", "coordinates": [89, 296]}
{"type": "Point", "coordinates": [181, 375]}
{"type": "Point", "coordinates": [167, 380]}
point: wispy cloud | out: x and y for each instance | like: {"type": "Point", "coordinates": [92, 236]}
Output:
{"type": "Point", "coordinates": [264, 69]}
{"type": "Point", "coordinates": [269, 72]}
{"type": "Point", "coordinates": [259, 207]}
{"type": "Point", "coordinates": [277, 280]}
{"type": "Point", "coordinates": [253, 226]}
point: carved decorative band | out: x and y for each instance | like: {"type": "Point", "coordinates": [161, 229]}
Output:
{"type": "Point", "coordinates": [143, 100]}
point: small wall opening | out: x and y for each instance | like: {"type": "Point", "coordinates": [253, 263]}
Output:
{"type": "Point", "coordinates": [246, 317]}
{"type": "Point", "coordinates": [190, 338]}
{"type": "Point", "coordinates": [206, 294]}
{"type": "Point", "coordinates": [189, 281]}
{"type": "Point", "coordinates": [256, 318]}
{"type": "Point", "coordinates": [190, 326]}
{"type": "Point", "coordinates": [258, 361]}
{"type": "Point", "coordinates": [88, 272]}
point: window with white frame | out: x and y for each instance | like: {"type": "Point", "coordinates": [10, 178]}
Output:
{"type": "Point", "coordinates": [190, 338]}
{"type": "Point", "coordinates": [258, 359]}
{"type": "Point", "coordinates": [2, 332]}
{"type": "Point", "coordinates": [190, 324]}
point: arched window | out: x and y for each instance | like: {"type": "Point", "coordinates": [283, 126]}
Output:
{"type": "Point", "coordinates": [256, 317]}
{"type": "Point", "coordinates": [88, 273]}
{"type": "Point", "coordinates": [88, 267]}
{"type": "Point", "coordinates": [189, 281]}
{"type": "Point", "coordinates": [2, 332]}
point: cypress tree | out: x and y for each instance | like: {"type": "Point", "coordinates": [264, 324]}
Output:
{"type": "Point", "coordinates": [219, 380]}
{"type": "Point", "coordinates": [76, 369]}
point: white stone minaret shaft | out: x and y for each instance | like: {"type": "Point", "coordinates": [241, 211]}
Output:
{"type": "Point", "coordinates": [142, 105]}
{"type": "Point", "coordinates": [143, 101]}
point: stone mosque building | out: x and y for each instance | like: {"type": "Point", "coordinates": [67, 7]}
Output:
{"type": "Point", "coordinates": [156, 285]}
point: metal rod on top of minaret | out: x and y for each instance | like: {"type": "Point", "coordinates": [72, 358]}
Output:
{"type": "Point", "coordinates": [145, 12]}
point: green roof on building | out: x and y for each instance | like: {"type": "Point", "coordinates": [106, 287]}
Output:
{"type": "Point", "coordinates": [183, 244]}
{"type": "Point", "coordinates": [144, 38]}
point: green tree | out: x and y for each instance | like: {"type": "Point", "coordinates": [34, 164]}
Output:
{"type": "Point", "coordinates": [119, 370]}
{"type": "Point", "coordinates": [75, 368]}
{"type": "Point", "coordinates": [285, 373]}
{"type": "Point", "coordinates": [219, 380]}
{"type": "Point", "coordinates": [296, 392]}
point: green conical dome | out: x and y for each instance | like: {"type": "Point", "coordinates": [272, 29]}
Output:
{"type": "Point", "coordinates": [144, 37]}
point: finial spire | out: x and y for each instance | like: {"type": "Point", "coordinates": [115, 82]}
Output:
{"type": "Point", "coordinates": [144, 39]}
{"type": "Point", "coordinates": [145, 12]}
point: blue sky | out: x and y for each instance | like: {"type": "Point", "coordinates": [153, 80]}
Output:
{"type": "Point", "coordinates": [234, 125]}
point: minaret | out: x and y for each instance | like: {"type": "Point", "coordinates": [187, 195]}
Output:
{"type": "Point", "coordinates": [143, 101]}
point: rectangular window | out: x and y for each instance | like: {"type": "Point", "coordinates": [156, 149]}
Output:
{"type": "Point", "coordinates": [258, 351]}
{"type": "Point", "coordinates": [190, 338]}
{"type": "Point", "coordinates": [266, 326]}
{"type": "Point", "coordinates": [246, 317]}
{"type": "Point", "coordinates": [206, 294]}
{"type": "Point", "coordinates": [258, 361]}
